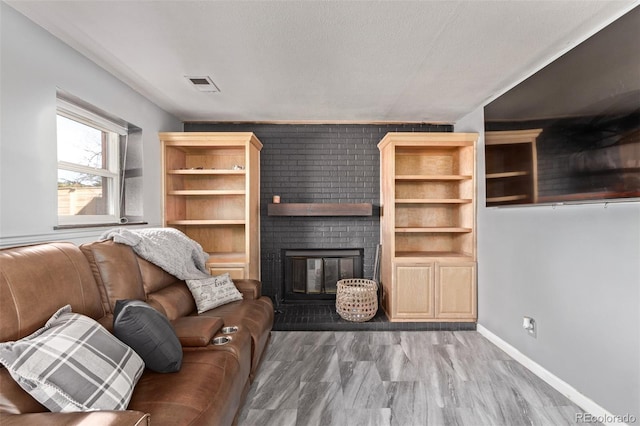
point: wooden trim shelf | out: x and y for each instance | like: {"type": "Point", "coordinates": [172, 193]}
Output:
{"type": "Point", "coordinates": [433, 229]}
{"type": "Point", "coordinates": [207, 192]}
{"type": "Point", "coordinates": [206, 172]}
{"type": "Point", "coordinates": [436, 139]}
{"type": "Point", "coordinates": [206, 222]}
{"type": "Point", "coordinates": [432, 177]}
{"type": "Point", "coordinates": [405, 255]}
{"type": "Point", "coordinates": [320, 209]}
{"type": "Point", "coordinates": [433, 200]}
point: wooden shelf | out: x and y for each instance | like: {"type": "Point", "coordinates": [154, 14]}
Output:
{"type": "Point", "coordinates": [320, 209]}
{"type": "Point", "coordinates": [433, 229]}
{"type": "Point", "coordinates": [507, 174]}
{"type": "Point", "coordinates": [432, 177]}
{"type": "Point", "coordinates": [207, 192]}
{"type": "Point", "coordinates": [429, 254]}
{"type": "Point", "coordinates": [206, 222]}
{"type": "Point", "coordinates": [433, 201]}
{"type": "Point", "coordinates": [206, 172]}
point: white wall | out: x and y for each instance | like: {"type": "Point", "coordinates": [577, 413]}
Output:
{"type": "Point", "coordinates": [576, 270]}
{"type": "Point", "coordinates": [33, 64]}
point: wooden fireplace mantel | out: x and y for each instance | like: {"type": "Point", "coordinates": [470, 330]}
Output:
{"type": "Point", "coordinates": [320, 209]}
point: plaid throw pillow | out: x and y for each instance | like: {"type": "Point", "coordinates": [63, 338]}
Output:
{"type": "Point", "coordinates": [73, 364]}
{"type": "Point", "coordinates": [210, 293]}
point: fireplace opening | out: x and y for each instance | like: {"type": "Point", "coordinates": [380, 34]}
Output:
{"type": "Point", "coordinates": [313, 274]}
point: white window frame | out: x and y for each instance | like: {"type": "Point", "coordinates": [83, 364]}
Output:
{"type": "Point", "coordinates": [111, 172]}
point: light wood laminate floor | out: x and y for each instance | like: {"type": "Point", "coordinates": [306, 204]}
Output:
{"type": "Point", "coordinates": [402, 378]}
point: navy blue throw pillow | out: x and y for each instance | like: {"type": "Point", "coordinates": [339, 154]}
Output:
{"type": "Point", "coordinates": [149, 333]}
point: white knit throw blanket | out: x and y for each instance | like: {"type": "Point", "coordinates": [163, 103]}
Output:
{"type": "Point", "coordinates": [167, 248]}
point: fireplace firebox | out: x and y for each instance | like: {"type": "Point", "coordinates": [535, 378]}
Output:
{"type": "Point", "coordinates": [313, 274]}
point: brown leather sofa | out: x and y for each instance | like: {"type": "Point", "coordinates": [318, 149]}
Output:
{"type": "Point", "coordinates": [35, 281]}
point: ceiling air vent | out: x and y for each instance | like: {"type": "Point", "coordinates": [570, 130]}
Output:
{"type": "Point", "coordinates": [203, 84]}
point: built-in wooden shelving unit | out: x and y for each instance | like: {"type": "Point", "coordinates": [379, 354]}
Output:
{"type": "Point", "coordinates": [428, 226]}
{"type": "Point", "coordinates": [211, 186]}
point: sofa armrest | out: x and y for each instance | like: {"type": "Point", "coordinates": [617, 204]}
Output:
{"type": "Point", "coordinates": [99, 418]}
{"type": "Point", "coordinates": [195, 330]}
{"type": "Point", "coordinates": [250, 289]}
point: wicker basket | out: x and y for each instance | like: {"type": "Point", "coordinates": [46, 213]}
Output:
{"type": "Point", "coordinates": [357, 299]}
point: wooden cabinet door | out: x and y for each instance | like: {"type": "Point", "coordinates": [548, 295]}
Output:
{"type": "Point", "coordinates": [455, 290]}
{"type": "Point", "coordinates": [413, 291]}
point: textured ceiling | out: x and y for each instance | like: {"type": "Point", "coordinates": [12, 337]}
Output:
{"type": "Point", "coordinates": [426, 61]}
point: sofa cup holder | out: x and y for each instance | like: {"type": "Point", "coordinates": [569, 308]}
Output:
{"type": "Point", "coordinates": [229, 330]}
{"type": "Point", "coordinates": [221, 340]}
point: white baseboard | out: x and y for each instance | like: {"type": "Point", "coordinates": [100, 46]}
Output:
{"type": "Point", "coordinates": [554, 381]}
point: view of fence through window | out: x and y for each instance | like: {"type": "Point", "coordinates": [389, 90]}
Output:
{"type": "Point", "coordinates": [84, 179]}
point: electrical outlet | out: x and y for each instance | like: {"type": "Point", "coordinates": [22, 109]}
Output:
{"type": "Point", "coordinates": [529, 324]}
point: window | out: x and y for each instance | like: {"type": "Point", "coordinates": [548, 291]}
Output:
{"type": "Point", "coordinates": [92, 170]}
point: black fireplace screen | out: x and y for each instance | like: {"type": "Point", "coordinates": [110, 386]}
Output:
{"type": "Point", "coordinates": [313, 274]}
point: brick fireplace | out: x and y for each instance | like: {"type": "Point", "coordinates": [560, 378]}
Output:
{"type": "Point", "coordinates": [312, 275]}
{"type": "Point", "coordinates": [317, 163]}
{"type": "Point", "coordinates": [303, 236]}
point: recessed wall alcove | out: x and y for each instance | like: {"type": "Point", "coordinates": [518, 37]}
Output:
{"type": "Point", "coordinates": [317, 163]}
